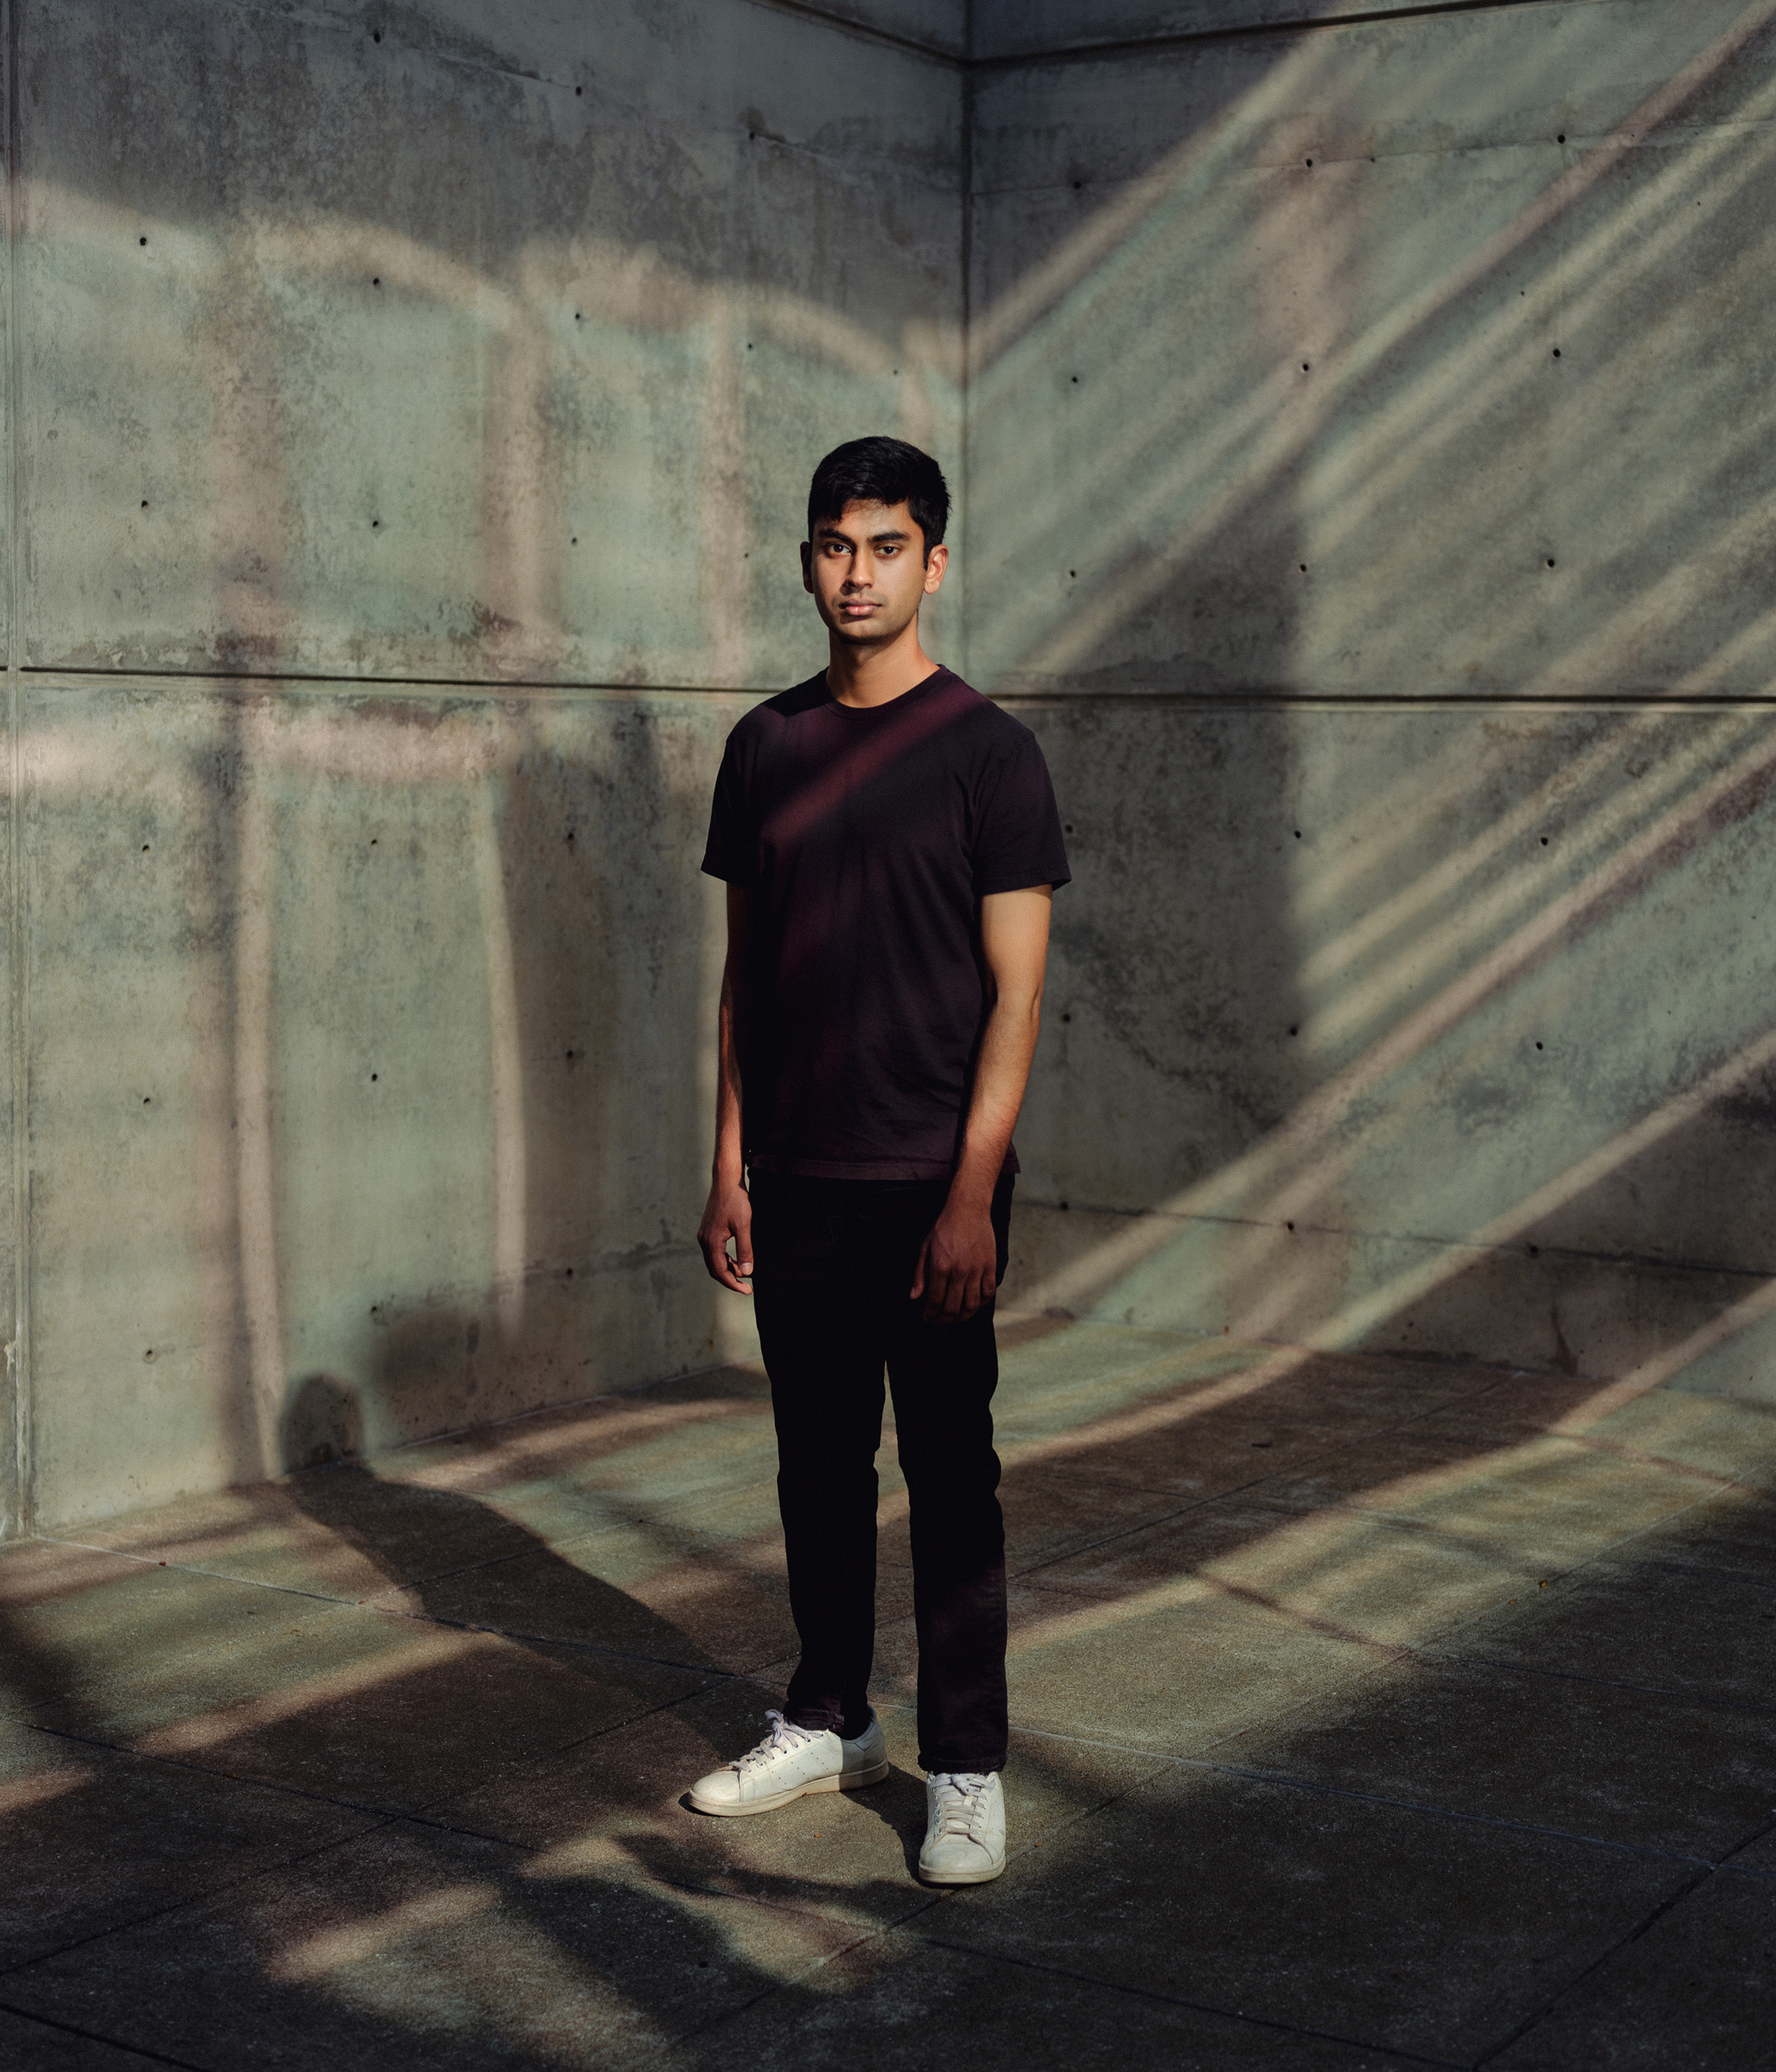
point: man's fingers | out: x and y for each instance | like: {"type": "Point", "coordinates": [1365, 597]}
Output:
{"type": "Point", "coordinates": [732, 1272]}
{"type": "Point", "coordinates": [956, 1296]}
{"type": "Point", "coordinates": [917, 1288]}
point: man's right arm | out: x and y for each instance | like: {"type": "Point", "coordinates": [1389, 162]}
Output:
{"type": "Point", "coordinates": [729, 1212]}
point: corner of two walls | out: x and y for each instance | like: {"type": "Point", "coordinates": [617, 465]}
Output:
{"type": "Point", "coordinates": [401, 526]}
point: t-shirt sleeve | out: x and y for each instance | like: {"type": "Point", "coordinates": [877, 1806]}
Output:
{"type": "Point", "coordinates": [1018, 840]}
{"type": "Point", "coordinates": [732, 850]}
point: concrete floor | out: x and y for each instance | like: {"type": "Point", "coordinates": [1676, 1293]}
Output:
{"type": "Point", "coordinates": [1367, 1712]}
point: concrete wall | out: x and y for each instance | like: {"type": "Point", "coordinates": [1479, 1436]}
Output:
{"type": "Point", "coordinates": [407, 411]}
{"type": "Point", "coordinates": [1369, 492]}
{"type": "Point", "coordinates": [412, 410]}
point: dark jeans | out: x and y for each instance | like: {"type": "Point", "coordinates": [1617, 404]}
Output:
{"type": "Point", "coordinates": [833, 1261]}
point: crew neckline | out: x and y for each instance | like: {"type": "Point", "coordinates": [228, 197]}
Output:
{"type": "Point", "coordinates": [890, 704]}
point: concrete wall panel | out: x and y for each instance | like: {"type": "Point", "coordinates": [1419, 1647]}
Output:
{"type": "Point", "coordinates": [1361, 1005]}
{"type": "Point", "coordinates": [463, 344]}
{"type": "Point", "coordinates": [1396, 361]}
{"type": "Point", "coordinates": [1346, 410]}
{"type": "Point", "coordinates": [377, 1087]}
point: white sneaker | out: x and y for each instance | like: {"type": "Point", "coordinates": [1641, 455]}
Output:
{"type": "Point", "coordinates": [791, 1761]}
{"type": "Point", "coordinates": [964, 1828]}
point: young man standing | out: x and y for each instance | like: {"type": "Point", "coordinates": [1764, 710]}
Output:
{"type": "Point", "coordinates": [890, 844]}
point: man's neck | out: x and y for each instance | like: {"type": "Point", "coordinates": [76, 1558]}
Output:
{"type": "Point", "coordinates": [877, 676]}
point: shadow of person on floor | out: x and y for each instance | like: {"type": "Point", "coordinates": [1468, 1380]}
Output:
{"type": "Point", "coordinates": [459, 1561]}
{"type": "Point", "coordinates": [463, 1561]}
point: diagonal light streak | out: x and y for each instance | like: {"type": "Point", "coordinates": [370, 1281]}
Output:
{"type": "Point", "coordinates": [1266, 445]}
{"type": "Point", "coordinates": [1303, 1159]}
{"type": "Point", "coordinates": [1674, 768]}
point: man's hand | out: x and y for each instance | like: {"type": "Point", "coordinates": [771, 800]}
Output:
{"type": "Point", "coordinates": [958, 1266]}
{"type": "Point", "coordinates": [729, 1214]}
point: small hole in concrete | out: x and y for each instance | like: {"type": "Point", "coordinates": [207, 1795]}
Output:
{"type": "Point", "coordinates": [1066, 1018]}
{"type": "Point", "coordinates": [372, 1078]}
{"type": "Point", "coordinates": [1307, 366]}
{"type": "Point", "coordinates": [1544, 841]}
{"type": "Point", "coordinates": [1535, 1251]}
{"type": "Point", "coordinates": [1304, 567]}
{"type": "Point", "coordinates": [1298, 833]}
{"type": "Point", "coordinates": [1538, 1046]}
{"type": "Point", "coordinates": [1063, 1204]}
{"type": "Point", "coordinates": [1550, 560]}
{"type": "Point", "coordinates": [147, 1099]}
{"type": "Point", "coordinates": [1296, 1030]}
{"type": "Point", "coordinates": [1289, 1226]}
{"type": "Point", "coordinates": [144, 849]}
{"type": "Point", "coordinates": [142, 240]}
{"type": "Point", "coordinates": [1310, 162]}
{"type": "Point", "coordinates": [570, 834]}
{"type": "Point", "coordinates": [375, 36]}
{"type": "Point", "coordinates": [375, 524]}
{"type": "Point", "coordinates": [1075, 380]}
{"type": "Point", "coordinates": [574, 541]}
{"type": "Point", "coordinates": [578, 90]}
{"type": "Point", "coordinates": [1073, 573]}
{"type": "Point", "coordinates": [1561, 139]}
{"type": "Point", "coordinates": [1556, 352]}
{"type": "Point", "coordinates": [149, 1355]}
{"type": "Point", "coordinates": [373, 842]}
{"type": "Point", "coordinates": [570, 1273]}
{"type": "Point", "coordinates": [144, 503]}
{"type": "Point", "coordinates": [1069, 827]}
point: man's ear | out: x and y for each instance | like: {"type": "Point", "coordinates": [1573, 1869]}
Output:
{"type": "Point", "coordinates": [935, 562]}
{"type": "Point", "coordinates": [807, 566]}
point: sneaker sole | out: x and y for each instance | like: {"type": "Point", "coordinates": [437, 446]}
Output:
{"type": "Point", "coordinates": [846, 1780]}
{"type": "Point", "coordinates": [961, 1877]}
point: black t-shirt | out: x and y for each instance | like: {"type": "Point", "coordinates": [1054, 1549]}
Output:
{"type": "Point", "coordinates": [866, 836]}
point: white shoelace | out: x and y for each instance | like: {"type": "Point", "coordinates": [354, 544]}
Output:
{"type": "Point", "coordinates": [781, 1741]}
{"type": "Point", "coordinates": [961, 1800]}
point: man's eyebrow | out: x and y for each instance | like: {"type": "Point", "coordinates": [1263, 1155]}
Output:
{"type": "Point", "coordinates": [875, 537]}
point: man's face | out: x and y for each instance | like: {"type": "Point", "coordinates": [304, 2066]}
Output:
{"type": "Point", "coordinates": [868, 572]}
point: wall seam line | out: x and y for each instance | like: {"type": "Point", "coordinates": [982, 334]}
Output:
{"type": "Point", "coordinates": [18, 1351]}
{"type": "Point", "coordinates": [492, 687]}
{"type": "Point", "coordinates": [967, 62]}
{"type": "Point", "coordinates": [911, 45]}
{"type": "Point", "coordinates": [1298, 24]}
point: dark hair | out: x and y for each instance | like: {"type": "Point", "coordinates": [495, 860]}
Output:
{"type": "Point", "coordinates": [881, 471]}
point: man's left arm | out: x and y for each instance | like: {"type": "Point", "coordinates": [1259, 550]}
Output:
{"type": "Point", "coordinates": [958, 1262]}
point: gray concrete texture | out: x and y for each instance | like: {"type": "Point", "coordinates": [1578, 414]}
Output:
{"type": "Point", "coordinates": [1360, 437]}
